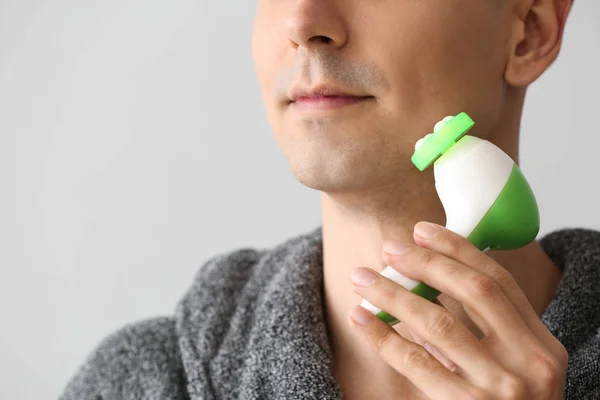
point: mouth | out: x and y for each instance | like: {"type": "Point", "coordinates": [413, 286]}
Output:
{"type": "Point", "coordinates": [323, 98]}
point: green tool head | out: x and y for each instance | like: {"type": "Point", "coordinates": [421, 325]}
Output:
{"type": "Point", "coordinates": [439, 142]}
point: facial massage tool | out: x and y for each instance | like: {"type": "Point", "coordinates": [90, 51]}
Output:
{"type": "Point", "coordinates": [485, 196]}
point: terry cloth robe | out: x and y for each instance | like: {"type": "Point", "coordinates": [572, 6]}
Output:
{"type": "Point", "coordinates": [252, 326]}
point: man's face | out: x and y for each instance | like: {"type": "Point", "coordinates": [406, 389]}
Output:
{"type": "Point", "coordinates": [400, 66]}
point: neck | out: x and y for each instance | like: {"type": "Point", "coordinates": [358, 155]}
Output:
{"type": "Point", "coordinates": [354, 228]}
{"type": "Point", "coordinates": [353, 236]}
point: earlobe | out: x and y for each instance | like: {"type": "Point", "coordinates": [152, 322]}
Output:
{"type": "Point", "coordinates": [537, 41]}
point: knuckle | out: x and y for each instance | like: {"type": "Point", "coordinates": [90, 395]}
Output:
{"type": "Point", "coordinates": [441, 325]}
{"type": "Point", "coordinates": [458, 245]}
{"type": "Point", "coordinates": [502, 276]}
{"type": "Point", "coordinates": [490, 340]}
{"type": "Point", "coordinates": [429, 257]}
{"type": "Point", "coordinates": [383, 340]}
{"type": "Point", "coordinates": [513, 387]}
{"type": "Point", "coordinates": [547, 370]}
{"type": "Point", "coordinates": [416, 357]}
{"type": "Point", "coordinates": [474, 393]}
{"type": "Point", "coordinates": [561, 354]}
{"type": "Point", "coordinates": [410, 306]}
{"type": "Point", "coordinates": [482, 285]}
{"type": "Point", "coordinates": [450, 269]}
{"type": "Point", "coordinates": [388, 294]}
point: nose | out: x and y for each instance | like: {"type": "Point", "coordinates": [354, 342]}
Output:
{"type": "Point", "coordinates": [316, 23]}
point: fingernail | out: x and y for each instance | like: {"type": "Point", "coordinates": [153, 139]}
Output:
{"type": "Point", "coordinates": [363, 277]}
{"type": "Point", "coordinates": [395, 248]}
{"type": "Point", "coordinates": [427, 230]}
{"type": "Point", "coordinates": [361, 316]}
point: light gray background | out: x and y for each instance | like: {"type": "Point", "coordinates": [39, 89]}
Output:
{"type": "Point", "coordinates": [134, 145]}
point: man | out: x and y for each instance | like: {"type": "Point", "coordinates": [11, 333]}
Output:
{"type": "Point", "coordinates": [349, 87]}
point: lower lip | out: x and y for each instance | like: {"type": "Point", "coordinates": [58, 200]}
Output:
{"type": "Point", "coordinates": [307, 104]}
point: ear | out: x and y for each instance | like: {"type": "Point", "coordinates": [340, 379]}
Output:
{"type": "Point", "coordinates": [537, 39]}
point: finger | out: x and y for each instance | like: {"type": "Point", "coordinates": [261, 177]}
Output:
{"type": "Point", "coordinates": [481, 297]}
{"type": "Point", "coordinates": [430, 321]}
{"type": "Point", "coordinates": [518, 349]}
{"type": "Point", "coordinates": [445, 361]}
{"type": "Point", "coordinates": [460, 249]}
{"type": "Point", "coordinates": [409, 359]}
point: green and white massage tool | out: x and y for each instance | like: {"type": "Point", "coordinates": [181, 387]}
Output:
{"type": "Point", "coordinates": [485, 196]}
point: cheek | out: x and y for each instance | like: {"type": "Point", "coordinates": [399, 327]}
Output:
{"type": "Point", "coordinates": [438, 72]}
{"type": "Point", "coordinates": [262, 57]}
{"type": "Point", "coordinates": [271, 50]}
{"type": "Point", "coordinates": [266, 50]}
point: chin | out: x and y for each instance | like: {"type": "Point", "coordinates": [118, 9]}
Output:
{"type": "Point", "coordinates": [339, 155]}
{"type": "Point", "coordinates": [337, 171]}
{"type": "Point", "coordinates": [319, 167]}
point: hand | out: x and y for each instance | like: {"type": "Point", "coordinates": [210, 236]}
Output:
{"type": "Point", "coordinates": [517, 358]}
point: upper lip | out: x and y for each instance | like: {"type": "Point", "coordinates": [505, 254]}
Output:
{"type": "Point", "coordinates": [320, 91]}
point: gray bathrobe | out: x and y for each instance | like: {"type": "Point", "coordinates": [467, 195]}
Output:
{"type": "Point", "coordinates": [251, 326]}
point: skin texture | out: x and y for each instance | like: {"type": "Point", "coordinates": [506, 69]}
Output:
{"type": "Point", "coordinates": [412, 62]}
